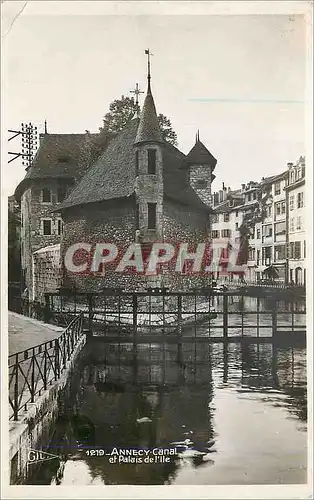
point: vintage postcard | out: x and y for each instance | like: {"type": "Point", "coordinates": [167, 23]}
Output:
{"type": "Point", "coordinates": [156, 249]}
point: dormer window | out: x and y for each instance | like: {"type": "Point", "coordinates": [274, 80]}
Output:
{"type": "Point", "coordinates": [151, 168]}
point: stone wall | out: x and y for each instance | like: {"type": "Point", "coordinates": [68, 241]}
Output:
{"type": "Point", "coordinates": [33, 210]}
{"type": "Point", "coordinates": [46, 271]}
{"type": "Point", "coordinates": [34, 429]}
{"type": "Point", "coordinates": [182, 224]}
{"type": "Point", "coordinates": [102, 222]}
{"type": "Point", "coordinates": [200, 181]}
{"type": "Point", "coordinates": [149, 189]}
{"type": "Point", "coordinates": [115, 223]}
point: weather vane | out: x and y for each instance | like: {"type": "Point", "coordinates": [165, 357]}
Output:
{"type": "Point", "coordinates": [148, 53]}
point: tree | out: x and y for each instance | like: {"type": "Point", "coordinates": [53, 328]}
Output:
{"type": "Point", "coordinates": [120, 112]}
{"type": "Point", "coordinates": [167, 131]}
{"type": "Point", "coordinates": [124, 109]}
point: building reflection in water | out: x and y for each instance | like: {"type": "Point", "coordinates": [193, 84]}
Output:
{"type": "Point", "coordinates": [156, 394]}
{"type": "Point", "coordinates": [171, 390]}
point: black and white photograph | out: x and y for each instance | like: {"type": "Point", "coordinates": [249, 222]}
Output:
{"type": "Point", "coordinates": [156, 249]}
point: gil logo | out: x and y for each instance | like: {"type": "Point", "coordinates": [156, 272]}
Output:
{"type": "Point", "coordinates": [35, 456]}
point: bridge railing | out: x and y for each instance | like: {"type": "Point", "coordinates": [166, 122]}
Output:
{"type": "Point", "coordinates": [33, 370]}
{"type": "Point", "coordinates": [272, 284]}
{"type": "Point", "coordinates": [210, 315]}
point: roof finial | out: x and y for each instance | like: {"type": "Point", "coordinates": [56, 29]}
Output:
{"type": "Point", "coordinates": [137, 92]}
{"type": "Point", "coordinates": [198, 135]}
{"type": "Point", "coordinates": [148, 53]}
{"type": "Point", "coordinates": [46, 127]}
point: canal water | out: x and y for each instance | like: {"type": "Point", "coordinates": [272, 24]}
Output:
{"type": "Point", "coordinates": [240, 409]}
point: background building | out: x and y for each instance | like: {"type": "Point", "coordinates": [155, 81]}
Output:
{"type": "Point", "coordinates": [273, 211]}
{"type": "Point", "coordinates": [296, 224]}
{"type": "Point", "coordinates": [14, 240]}
{"type": "Point", "coordinates": [130, 187]}
{"type": "Point", "coordinates": [59, 163]}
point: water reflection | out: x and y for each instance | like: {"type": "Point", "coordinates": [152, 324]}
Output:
{"type": "Point", "coordinates": [248, 401]}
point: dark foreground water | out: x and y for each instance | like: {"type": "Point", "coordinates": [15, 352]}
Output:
{"type": "Point", "coordinates": [250, 400]}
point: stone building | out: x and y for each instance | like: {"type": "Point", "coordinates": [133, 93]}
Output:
{"type": "Point", "coordinates": [143, 190]}
{"type": "Point", "coordinates": [132, 187]}
{"type": "Point", "coordinates": [14, 237]}
{"type": "Point", "coordinates": [226, 222]}
{"type": "Point", "coordinates": [296, 228]}
{"type": "Point", "coordinates": [273, 211]}
{"type": "Point", "coordinates": [59, 163]}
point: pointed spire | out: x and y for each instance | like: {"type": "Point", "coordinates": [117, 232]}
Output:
{"type": "Point", "coordinates": [148, 129]}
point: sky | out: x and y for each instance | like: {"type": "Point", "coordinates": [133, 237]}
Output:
{"type": "Point", "coordinates": [239, 79]}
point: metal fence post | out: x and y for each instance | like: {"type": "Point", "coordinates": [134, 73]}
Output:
{"type": "Point", "coordinates": [179, 305]}
{"type": "Point", "coordinates": [134, 300]}
{"type": "Point", "coordinates": [90, 315]}
{"type": "Point", "coordinates": [225, 316]}
{"type": "Point", "coordinates": [57, 360]}
{"type": "Point", "coordinates": [45, 368]}
{"type": "Point", "coordinates": [16, 387]}
{"type": "Point", "coordinates": [33, 378]}
{"type": "Point", "coordinates": [274, 320]}
{"type": "Point", "coordinates": [180, 315]}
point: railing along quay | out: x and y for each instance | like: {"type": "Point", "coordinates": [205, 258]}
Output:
{"type": "Point", "coordinates": [33, 370]}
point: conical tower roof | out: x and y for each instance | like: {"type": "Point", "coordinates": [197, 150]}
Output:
{"type": "Point", "coordinates": [199, 155]}
{"type": "Point", "coordinates": [148, 129]}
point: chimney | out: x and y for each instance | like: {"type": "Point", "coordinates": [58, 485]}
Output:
{"type": "Point", "coordinates": [242, 187]}
{"type": "Point", "coordinates": [221, 195]}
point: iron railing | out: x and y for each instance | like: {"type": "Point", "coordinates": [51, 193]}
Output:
{"type": "Point", "coordinates": [127, 316]}
{"type": "Point", "coordinates": [266, 284]}
{"type": "Point", "coordinates": [32, 371]}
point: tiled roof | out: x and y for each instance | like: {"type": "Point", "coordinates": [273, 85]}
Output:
{"type": "Point", "coordinates": [224, 207]}
{"type": "Point", "coordinates": [59, 156]}
{"type": "Point", "coordinates": [199, 155]}
{"type": "Point", "coordinates": [148, 129]}
{"type": "Point", "coordinates": [113, 175]}
{"type": "Point", "coordinates": [274, 178]}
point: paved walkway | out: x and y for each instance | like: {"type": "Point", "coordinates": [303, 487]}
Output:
{"type": "Point", "coordinates": [27, 332]}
